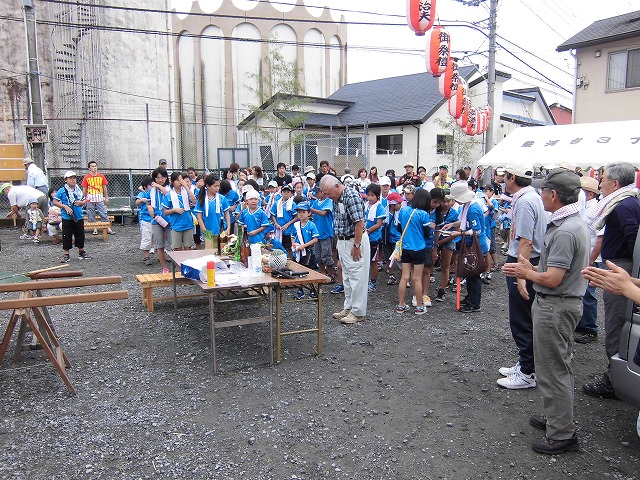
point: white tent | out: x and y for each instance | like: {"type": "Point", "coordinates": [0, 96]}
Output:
{"type": "Point", "coordinates": [580, 145]}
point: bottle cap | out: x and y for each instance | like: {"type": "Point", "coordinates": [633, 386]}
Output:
{"type": "Point", "coordinates": [211, 265]}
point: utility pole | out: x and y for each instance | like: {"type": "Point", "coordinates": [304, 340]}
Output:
{"type": "Point", "coordinates": [35, 96]}
{"type": "Point", "coordinates": [491, 74]}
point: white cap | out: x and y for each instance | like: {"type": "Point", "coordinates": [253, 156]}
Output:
{"type": "Point", "coordinates": [272, 183]}
{"type": "Point", "coordinates": [252, 194]}
{"type": "Point", "coordinates": [70, 173]}
{"type": "Point", "coordinates": [385, 180]}
{"type": "Point", "coordinates": [520, 170]}
{"type": "Point", "coordinates": [311, 175]}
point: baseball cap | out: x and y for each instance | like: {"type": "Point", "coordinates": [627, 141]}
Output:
{"type": "Point", "coordinates": [445, 167]}
{"type": "Point", "coordinates": [385, 180]}
{"type": "Point", "coordinates": [251, 194]}
{"type": "Point", "coordinates": [409, 165]}
{"type": "Point", "coordinates": [589, 184]}
{"type": "Point", "coordinates": [273, 184]}
{"type": "Point", "coordinates": [311, 175]}
{"type": "Point", "coordinates": [488, 187]}
{"type": "Point", "coordinates": [27, 161]}
{"type": "Point", "coordinates": [394, 198]}
{"type": "Point", "coordinates": [246, 188]}
{"type": "Point", "coordinates": [562, 181]}
{"type": "Point", "coordinates": [500, 171]}
{"type": "Point", "coordinates": [286, 187]}
{"type": "Point", "coordinates": [33, 200]}
{"type": "Point", "coordinates": [519, 170]}
{"type": "Point", "coordinates": [162, 162]}
{"type": "Point", "coordinates": [409, 188]}
{"type": "Point", "coordinates": [309, 168]}
{"type": "Point", "coordinates": [4, 186]}
{"type": "Point", "coordinates": [347, 178]}
{"type": "Point", "coordinates": [303, 206]}
{"type": "Point", "coordinates": [466, 167]}
{"type": "Point", "coordinates": [69, 174]}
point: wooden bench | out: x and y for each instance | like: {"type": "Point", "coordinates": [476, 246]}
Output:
{"type": "Point", "coordinates": [149, 281]}
{"type": "Point", "coordinates": [104, 227]}
{"type": "Point", "coordinates": [31, 310]}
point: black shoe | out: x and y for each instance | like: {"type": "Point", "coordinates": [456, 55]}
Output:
{"type": "Point", "coordinates": [469, 309]}
{"type": "Point", "coordinates": [603, 389]}
{"type": "Point", "coordinates": [538, 421]}
{"type": "Point", "coordinates": [549, 446]}
{"type": "Point", "coordinates": [585, 337]}
{"type": "Point", "coordinates": [464, 301]}
{"type": "Point", "coordinates": [441, 295]}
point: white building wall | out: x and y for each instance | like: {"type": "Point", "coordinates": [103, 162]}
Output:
{"type": "Point", "coordinates": [314, 64]}
{"type": "Point", "coordinates": [212, 55]}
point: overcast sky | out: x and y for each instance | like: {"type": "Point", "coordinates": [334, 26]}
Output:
{"type": "Point", "coordinates": [539, 26]}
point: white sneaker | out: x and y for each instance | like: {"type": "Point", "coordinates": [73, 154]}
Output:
{"type": "Point", "coordinates": [351, 318]}
{"type": "Point", "coordinates": [414, 302]}
{"type": "Point", "coordinates": [426, 301]}
{"type": "Point", "coordinates": [506, 371]}
{"type": "Point", "coordinates": [341, 314]}
{"type": "Point", "coordinates": [518, 381]}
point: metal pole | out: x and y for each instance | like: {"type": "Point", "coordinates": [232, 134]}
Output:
{"type": "Point", "coordinates": [491, 75]}
{"type": "Point", "coordinates": [35, 96]}
{"type": "Point", "coordinates": [148, 136]}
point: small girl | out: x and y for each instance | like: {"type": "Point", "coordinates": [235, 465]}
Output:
{"type": "Point", "coordinates": [375, 215]}
{"type": "Point", "coordinates": [212, 209]}
{"type": "Point", "coordinates": [413, 221]}
{"type": "Point", "coordinates": [35, 217]}
{"type": "Point", "coordinates": [177, 206]}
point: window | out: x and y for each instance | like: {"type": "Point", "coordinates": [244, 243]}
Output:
{"type": "Point", "coordinates": [389, 144]}
{"type": "Point", "coordinates": [624, 70]}
{"type": "Point", "coordinates": [354, 148]}
{"type": "Point", "coordinates": [444, 144]}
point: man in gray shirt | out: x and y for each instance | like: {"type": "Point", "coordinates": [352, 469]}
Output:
{"type": "Point", "coordinates": [557, 307]}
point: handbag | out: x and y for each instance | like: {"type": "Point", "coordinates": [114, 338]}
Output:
{"type": "Point", "coordinates": [471, 262]}
{"type": "Point", "coordinates": [397, 252]}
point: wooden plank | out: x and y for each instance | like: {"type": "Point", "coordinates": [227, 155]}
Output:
{"type": "Point", "coordinates": [62, 300]}
{"type": "Point", "coordinates": [66, 283]}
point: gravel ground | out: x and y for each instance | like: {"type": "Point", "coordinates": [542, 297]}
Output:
{"type": "Point", "coordinates": [397, 396]}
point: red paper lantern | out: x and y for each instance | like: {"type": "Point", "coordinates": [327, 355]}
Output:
{"type": "Point", "coordinates": [463, 119]}
{"type": "Point", "coordinates": [420, 15]}
{"type": "Point", "coordinates": [448, 81]}
{"type": "Point", "coordinates": [470, 127]}
{"type": "Point", "coordinates": [437, 51]}
{"type": "Point", "coordinates": [489, 112]}
{"type": "Point", "coordinates": [456, 100]}
{"type": "Point", "coordinates": [481, 126]}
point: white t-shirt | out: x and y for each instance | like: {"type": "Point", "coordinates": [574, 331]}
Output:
{"type": "Point", "coordinates": [20, 195]}
{"type": "Point", "coordinates": [35, 176]}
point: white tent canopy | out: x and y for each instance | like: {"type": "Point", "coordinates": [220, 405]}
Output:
{"type": "Point", "coordinates": [580, 145]}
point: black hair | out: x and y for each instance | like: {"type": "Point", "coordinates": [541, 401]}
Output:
{"type": "Point", "coordinates": [159, 171]}
{"type": "Point", "coordinates": [90, 162]}
{"type": "Point", "coordinates": [146, 181]}
{"type": "Point", "coordinates": [437, 194]}
{"type": "Point", "coordinates": [199, 177]}
{"type": "Point", "coordinates": [375, 189]}
{"type": "Point", "coordinates": [253, 183]}
{"type": "Point", "coordinates": [295, 167]}
{"type": "Point", "coordinates": [520, 181]}
{"type": "Point", "coordinates": [191, 169]}
{"type": "Point", "coordinates": [174, 177]}
{"type": "Point", "coordinates": [421, 200]}
{"type": "Point", "coordinates": [225, 186]}
{"type": "Point", "coordinates": [298, 199]}
{"type": "Point", "coordinates": [50, 193]}
{"type": "Point", "coordinates": [208, 181]}
{"type": "Point", "coordinates": [280, 164]}
{"type": "Point", "coordinates": [462, 174]}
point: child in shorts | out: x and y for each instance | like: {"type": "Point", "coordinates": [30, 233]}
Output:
{"type": "Point", "coordinates": [283, 217]}
{"type": "Point", "coordinates": [253, 218]}
{"type": "Point", "coordinates": [212, 211]}
{"type": "Point", "coordinates": [160, 223]}
{"type": "Point", "coordinates": [34, 220]}
{"type": "Point", "coordinates": [177, 206]}
{"type": "Point", "coordinates": [374, 218]}
{"type": "Point", "coordinates": [322, 210]}
{"type": "Point", "coordinates": [393, 235]}
{"type": "Point", "coordinates": [143, 202]}
{"type": "Point", "coordinates": [304, 238]}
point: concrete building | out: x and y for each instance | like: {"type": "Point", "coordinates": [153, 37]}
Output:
{"type": "Point", "coordinates": [607, 55]}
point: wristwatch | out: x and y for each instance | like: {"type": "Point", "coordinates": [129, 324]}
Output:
{"type": "Point", "coordinates": [356, 245]}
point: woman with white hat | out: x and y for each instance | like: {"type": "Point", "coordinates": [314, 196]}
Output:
{"type": "Point", "coordinates": [471, 221]}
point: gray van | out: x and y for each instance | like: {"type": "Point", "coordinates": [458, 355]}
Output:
{"type": "Point", "coordinates": [625, 366]}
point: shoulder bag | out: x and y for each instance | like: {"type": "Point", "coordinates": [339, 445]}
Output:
{"type": "Point", "coordinates": [471, 262]}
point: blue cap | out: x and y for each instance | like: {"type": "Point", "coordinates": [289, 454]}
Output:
{"type": "Point", "coordinates": [303, 206]}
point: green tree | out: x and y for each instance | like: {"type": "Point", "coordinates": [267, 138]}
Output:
{"type": "Point", "coordinates": [276, 122]}
{"type": "Point", "coordinates": [457, 146]}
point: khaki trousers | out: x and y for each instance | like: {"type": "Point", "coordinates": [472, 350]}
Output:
{"type": "Point", "coordinates": [355, 275]}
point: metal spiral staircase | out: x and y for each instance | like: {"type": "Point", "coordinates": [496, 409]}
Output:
{"type": "Point", "coordinates": [76, 54]}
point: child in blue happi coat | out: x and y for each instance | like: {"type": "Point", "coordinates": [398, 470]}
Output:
{"type": "Point", "coordinates": [254, 218]}
{"type": "Point", "coordinates": [212, 210]}
{"type": "Point", "coordinates": [304, 238]}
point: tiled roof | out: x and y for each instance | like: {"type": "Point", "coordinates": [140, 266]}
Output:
{"type": "Point", "coordinates": [603, 31]}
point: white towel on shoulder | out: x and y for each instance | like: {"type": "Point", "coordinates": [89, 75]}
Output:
{"type": "Point", "coordinates": [185, 198]}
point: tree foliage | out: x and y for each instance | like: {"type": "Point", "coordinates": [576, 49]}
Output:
{"type": "Point", "coordinates": [462, 145]}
